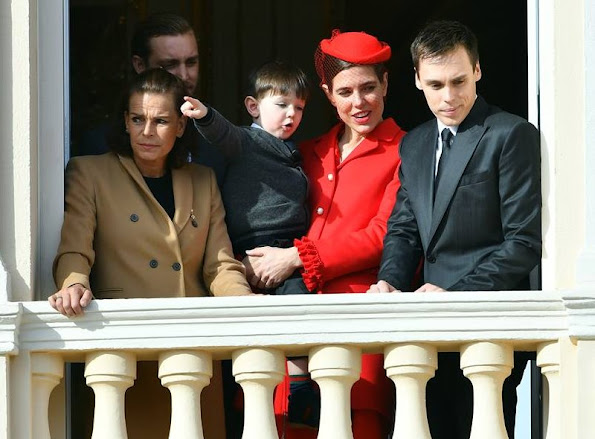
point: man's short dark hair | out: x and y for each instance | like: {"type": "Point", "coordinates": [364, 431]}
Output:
{"type": "Point", "coordinates": [440, 37]}
{"type": "Point", "coordinates": [153, 26]}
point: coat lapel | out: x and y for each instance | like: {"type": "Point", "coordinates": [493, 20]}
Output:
{"type": "Point", "coordinates": [321, 149]}
{"type": "Point", "coordinates": [464, 145]}
{"type": "Point", "coordinates": [132, 169]}
{"type": "Point", "coordinates": [183, 195]}
{"type": "Point", "coordinates": [182, 186]}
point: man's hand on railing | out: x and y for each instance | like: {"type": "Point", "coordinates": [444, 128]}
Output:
{"type": "Point", "coordinates": [71, 300]}
{"type": "Point", "coordinates": [382, 286]}
{"type": "Point", "coordinates": [429, 288]}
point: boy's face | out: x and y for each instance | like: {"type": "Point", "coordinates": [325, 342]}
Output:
{"type": "Point", "coordinates": [279, 115]}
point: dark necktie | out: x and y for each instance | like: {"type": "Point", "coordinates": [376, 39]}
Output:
{"type": "Point", "coordinates": [446, 136]}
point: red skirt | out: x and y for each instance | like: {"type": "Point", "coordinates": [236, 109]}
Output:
{"type": "Point", "coordinates": [372, 404]}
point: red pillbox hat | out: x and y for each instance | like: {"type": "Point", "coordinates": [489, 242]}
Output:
{"type": "Point", "coordinates": [356, 47]}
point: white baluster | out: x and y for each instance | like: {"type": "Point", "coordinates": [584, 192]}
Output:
{"type": "Point", "coordinates": [47, 370]}
{"type": "Point", "coordinates": [109, 374]}
{"type": "Point", "coordinates": [258, 371]}
{"type": "Point", "coordinates": [548, 358]}
{"type": "Point", "coordinates": [185, 374]}
{"type": "Point", "coordinates": [487, 365]}
{"type": "Point", "coordinates": [335, 369]}
{"type": "Point", "coordinates": [410, 366]}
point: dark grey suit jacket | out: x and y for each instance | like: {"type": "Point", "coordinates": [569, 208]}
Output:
{"type": "Point", "coordinates": [483, 231]}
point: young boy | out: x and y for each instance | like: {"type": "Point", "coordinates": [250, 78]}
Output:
{"type": "Point", "coordinates": [264, 188]}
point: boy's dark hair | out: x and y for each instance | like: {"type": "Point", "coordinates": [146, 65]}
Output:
{"type": "Point", "coordinates": [156, 81]}
{"type": "Point", "coordinates": [278, 77]}
{"type": "Point", "coordinates": [440, 37]}
{"type": "Point", "coordinates": [153, 26]}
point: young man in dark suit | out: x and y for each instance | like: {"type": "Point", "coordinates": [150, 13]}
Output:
{"type": "Point", "coordinates": [469, 205]}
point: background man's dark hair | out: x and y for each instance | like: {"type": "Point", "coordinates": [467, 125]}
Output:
{"type": "Point", "coordinates": [154, 26]}
{"type": "Point", "coordinates": [440, 37]}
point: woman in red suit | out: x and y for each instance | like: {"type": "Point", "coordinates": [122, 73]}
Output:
{"type": "Point", "coordinates": [353, 184]}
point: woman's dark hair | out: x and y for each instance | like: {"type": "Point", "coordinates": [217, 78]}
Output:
{"type": "Point", "coordinates": [155, 81]}
{"type": "Point", "coordinates": [328, 67]}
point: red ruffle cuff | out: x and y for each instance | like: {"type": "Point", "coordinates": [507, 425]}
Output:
{"type": "Point", "coordinates": [313, 266]}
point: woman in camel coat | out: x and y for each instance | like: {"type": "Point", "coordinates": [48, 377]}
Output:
{"type": "Point", "coordinates": [141, 222]}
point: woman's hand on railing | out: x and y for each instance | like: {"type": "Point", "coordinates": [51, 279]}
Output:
{"type": "Point", "coordinates": [71, 300]}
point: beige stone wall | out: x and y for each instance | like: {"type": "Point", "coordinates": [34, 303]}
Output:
{"type": "Point", "coordinates": [18, 140]}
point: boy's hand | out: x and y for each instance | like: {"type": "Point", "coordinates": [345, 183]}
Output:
{"type": "Point", "coordinates": [193, 108]}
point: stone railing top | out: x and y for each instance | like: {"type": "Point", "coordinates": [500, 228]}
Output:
{"type": "Point", "coordinates": [10, 319]}
{"type": "Point", "coordinates": [295, 323]}
{"type": "Point", "coordinates": [580, 305]}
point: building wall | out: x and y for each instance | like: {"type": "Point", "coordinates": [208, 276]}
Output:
{"type": "Point", "coordinates": [18, 137]}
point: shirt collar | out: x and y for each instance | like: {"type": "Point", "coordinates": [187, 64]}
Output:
{"type": "Point", "coordinates": [453, 129]}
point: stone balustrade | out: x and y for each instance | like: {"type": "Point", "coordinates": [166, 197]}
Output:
{"type": "Point", "coordinates": [185, 335]}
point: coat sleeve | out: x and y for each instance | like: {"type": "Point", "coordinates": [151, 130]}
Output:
{"type": "Point", "coordinates": [519, 185]}
{"type": "Point", "coordinates": [220, 132]}
{"type": "Point", "coordinates": [223, 274]}
{"type": "Point", "coordinates": [326, 259]}
{"type": "Point", "coordinates": [75, 255]}
{"type": "Point", "coordinates": [402, 248]}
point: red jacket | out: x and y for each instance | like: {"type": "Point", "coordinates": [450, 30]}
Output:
{"type": "Point", "coordinates": [350, 204]}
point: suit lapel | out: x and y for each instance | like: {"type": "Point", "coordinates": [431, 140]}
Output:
{"type": "Point", "coordinates": [464, 145]}
{"type": "Point", "coordinates": [422, 190]}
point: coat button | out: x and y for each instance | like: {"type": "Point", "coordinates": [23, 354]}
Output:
{"type": "Point", "coordinates": [153, 263]}
{"type": "Point", "coordinates": [134, 217]}
{"type": "Point", "coordinates": [176, 266]}
{"type": "Point", "coordinates": [431, 259]}
{"type": "Point", "coordinates": [320, 211]}
{"type": "Point", "coordinates": [330, 177]}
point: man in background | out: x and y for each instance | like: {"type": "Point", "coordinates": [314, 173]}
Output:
{"type": "Point", "coordinates": [168, 41]}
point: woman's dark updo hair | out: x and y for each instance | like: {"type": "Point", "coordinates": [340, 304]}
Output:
{"type": "Point", "coordinates": [155, 81]}
{"type": "Point", "coordinates": [332, 66]}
